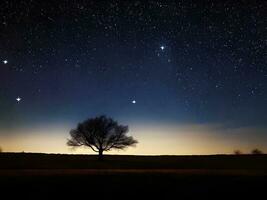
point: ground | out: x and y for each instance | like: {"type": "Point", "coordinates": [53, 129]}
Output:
{"type": "Point", "coordinates": [218, 176]}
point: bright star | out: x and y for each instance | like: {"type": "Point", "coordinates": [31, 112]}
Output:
{"type": "Point", "coordinates": [18, 99]}
{"type": "Point", "coordinates": [162, 48]}
{"type": "Point", "coordinates": [133, 101]}
{"type": "Point", "coordinates": [5, 62]}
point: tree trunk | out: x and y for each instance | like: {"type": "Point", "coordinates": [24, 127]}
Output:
{"type": "Point", "coordinates": [100, 154]}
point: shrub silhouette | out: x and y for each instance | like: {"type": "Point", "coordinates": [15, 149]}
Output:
{"type": "Point", "coordinates": [256, 151]}
{"type": "Point", "coordinates": [101, 134]}
{"type": "Point", "coordinates": [237, 152]}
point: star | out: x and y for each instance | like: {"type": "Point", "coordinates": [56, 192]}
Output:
{"type": "Point", "coordinates": [18, 99]}
{"type": "Point", "coordinates": [133, 102]}
{"type": "Point", "coordinates": [5, 62]}
{"type": "Point", "coordinates": [162, 47]}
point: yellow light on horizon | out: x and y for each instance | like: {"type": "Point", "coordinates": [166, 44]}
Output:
{"type": "Point", "coordinates": [153, 140]}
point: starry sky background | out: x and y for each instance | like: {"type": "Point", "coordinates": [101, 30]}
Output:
{"type": "Point", "coordinates": [196, 71]}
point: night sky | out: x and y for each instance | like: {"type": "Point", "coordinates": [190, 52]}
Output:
{"type": "Point", "coordinates": [188, 77]}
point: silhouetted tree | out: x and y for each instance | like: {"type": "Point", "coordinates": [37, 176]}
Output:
{"type": "Point", "coordinates": [256, 151]}
{"type": "Point", "coordinates": [1, 150]}
{"type": "Point", "coordinates": [101, 134]}
{"type": "Point", "coordinates": [237, 152]}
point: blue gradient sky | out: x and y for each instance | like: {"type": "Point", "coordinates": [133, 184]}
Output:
{"type": "Point", "coordinates": [196, 71]}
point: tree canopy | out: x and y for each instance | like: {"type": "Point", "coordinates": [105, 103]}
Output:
{"type": "Point", "coordinates": [101, 134]}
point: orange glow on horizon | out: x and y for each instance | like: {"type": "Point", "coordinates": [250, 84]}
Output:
{"type": "Point", "coordinates": [153, 140]}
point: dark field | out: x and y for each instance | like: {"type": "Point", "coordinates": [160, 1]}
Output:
{"type": "Point", "coordinates": [49, 175]}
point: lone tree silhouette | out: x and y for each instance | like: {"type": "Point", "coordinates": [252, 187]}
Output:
{"type": "Point", "coordinates": [101, 134]}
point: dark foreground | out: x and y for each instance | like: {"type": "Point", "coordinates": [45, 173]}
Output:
{"type": "Point", "coordinates": [177, 177]}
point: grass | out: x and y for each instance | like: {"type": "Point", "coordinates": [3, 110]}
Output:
{"type": "Point", "coordinates": [63, 161]}
{"type": "Point", "coordinates": [122, 176]}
